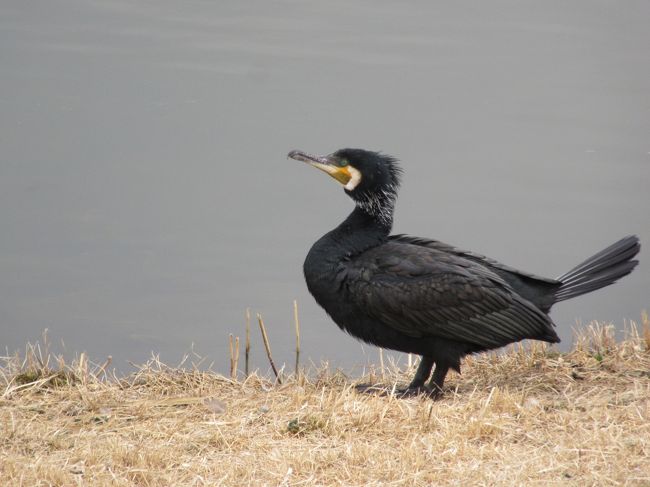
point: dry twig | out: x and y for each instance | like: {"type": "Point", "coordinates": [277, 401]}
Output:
{"type": "Point", "coordinates": [267, 346]}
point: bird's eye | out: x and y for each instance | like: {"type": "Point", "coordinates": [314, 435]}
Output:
{"type": "Point", "coordinates": [343, 162]}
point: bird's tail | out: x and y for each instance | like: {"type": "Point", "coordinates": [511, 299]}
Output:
{"type": "Point", "coordinates": [600, 270]}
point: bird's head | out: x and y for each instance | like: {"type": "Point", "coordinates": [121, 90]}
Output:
{"type": "Point", "coordinates": [370, 178]}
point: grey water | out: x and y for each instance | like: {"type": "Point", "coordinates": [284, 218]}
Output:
{"type": "Point", "coordinates": [145, 196]}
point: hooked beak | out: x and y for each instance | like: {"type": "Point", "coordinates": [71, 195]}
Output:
{"type": "Point", "coordinates": [327, 164]}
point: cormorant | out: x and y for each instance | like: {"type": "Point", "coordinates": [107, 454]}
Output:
{"type": "Point", "coordinates": [422, 296]}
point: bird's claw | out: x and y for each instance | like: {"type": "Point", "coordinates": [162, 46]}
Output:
{"type": "Point", "coordinates": [433, 393]}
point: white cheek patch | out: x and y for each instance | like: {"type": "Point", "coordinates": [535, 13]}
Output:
{"type": "Point", "coordinates": [355, 178]}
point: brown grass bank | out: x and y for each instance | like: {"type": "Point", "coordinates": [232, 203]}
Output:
{"type": "Point", "coordinates": [527, 416]}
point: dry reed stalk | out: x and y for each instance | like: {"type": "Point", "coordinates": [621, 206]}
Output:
{"type": "Point", "coordinates": [232, 354]}
{"type": "Point", "coordinates": [102, 368]}
{"type": "Point", "coordinates": [236, 358]}
{"type": "Point", "coordinates": [83, 368]}
{"type": "Point", "coordinates": [267, 346]}
{"type": "Point", "coordinates": [44, 362]}
{"type": "Point", "coordinates": [297, 323]}
{"type": "Point", "coordinates": [248, 341]}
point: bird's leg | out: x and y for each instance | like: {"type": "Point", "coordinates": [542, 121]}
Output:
{"type": "Point", "coordinates": [438, 379]}
{"type": "Point", "coordinates": [421, 375]}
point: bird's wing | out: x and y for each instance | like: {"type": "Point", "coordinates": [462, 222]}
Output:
{"type": "Point", "coordinates": [450, 249]}
{"type": "Point", "coordinates": [423, 292]}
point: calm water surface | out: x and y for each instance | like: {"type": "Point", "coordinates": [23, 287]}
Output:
{"type": "Point", "coordinates": [146, 200]}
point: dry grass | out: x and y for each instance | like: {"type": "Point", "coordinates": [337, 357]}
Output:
{"type": "Point", "coordinates": [526, 416]}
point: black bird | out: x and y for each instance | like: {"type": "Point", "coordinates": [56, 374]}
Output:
{"type": "Point", "coordinates": [425, 297]}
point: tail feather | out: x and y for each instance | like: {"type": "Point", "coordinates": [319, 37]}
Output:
{"type": "Point", "coordinates": [600, 270]}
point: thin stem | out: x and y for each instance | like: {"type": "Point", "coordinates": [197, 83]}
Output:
{"type": "Point", "coordinates": [248, 341]}
{"type": "Point", "coordinates": [265, 338]}
{"type": "Point", "coordinates": [297, 322]}
{"type": "Point", "coordinates": [236, 359]}
{"type": "Point", "coordinates": [232, 356]}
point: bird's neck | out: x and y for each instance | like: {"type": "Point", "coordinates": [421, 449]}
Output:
{"type": "Point", "coordinates": [357, 233]}
{"type": "Point", "coordinates": [378, 206]}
